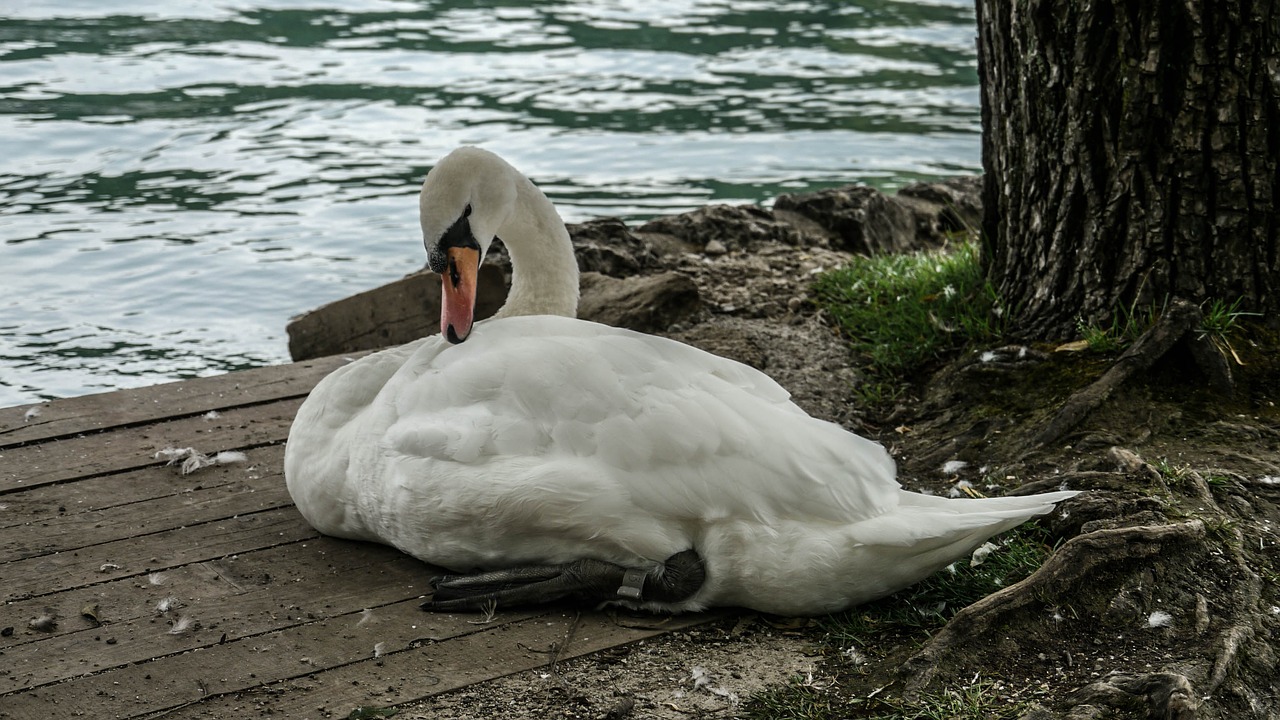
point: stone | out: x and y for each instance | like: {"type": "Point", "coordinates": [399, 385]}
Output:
{"type": "Point", "coordinates": [945, 207]}
{"type": "Point", "coordinates": [862, 219]}
{"type": "Point", "coordinates": [734, 227]}
{"type": "Point", "coordinates": [607, 246]}
{"type": "Point", "coordinates": [650, 303]}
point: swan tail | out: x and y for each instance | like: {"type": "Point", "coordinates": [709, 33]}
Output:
{"type": "Point", "coordinates": [926, 522]}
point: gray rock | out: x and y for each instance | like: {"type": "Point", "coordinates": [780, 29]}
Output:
{"type": "Point", "coordinates": [956, 202]}
{"type": "Point", "coordinates": [735, 227]}
{"type": "Point", "coordinates": [862, 219]}
{"type": "Point", "coordinates": [650, 303]}
{"type": "Point", "coordinates": [944, 208]}
{"type": "Point", "coordinates": [607, 246]}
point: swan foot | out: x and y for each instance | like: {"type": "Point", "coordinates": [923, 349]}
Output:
{"type": "Point", "coordinates": [592, 580]}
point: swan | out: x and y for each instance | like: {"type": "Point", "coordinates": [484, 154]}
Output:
{"type": "Point", "coordinates": [536, 456]}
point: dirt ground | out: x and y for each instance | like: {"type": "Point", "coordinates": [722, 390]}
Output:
{"type": "Point", "coordinates": [1160, 601]}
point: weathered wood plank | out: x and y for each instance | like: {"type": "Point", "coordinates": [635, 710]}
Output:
{"type": "Point", "coordinates": [313, 570]}
{"type": "Point", "coordinates": [410, 675]}
{"type": "Point", "coordinates": [128, 448]}
{"type": "Point", "coordinates": [92, 413]}
{"type": "Point", "coordinates": [288, 600]}
{"type": "Point", "coordinates": [134, 557]}
{"type": "Point", "coordinates": [90, 497]}
{"type": "Point", "coordinates": [222, 492]}
{"type": "Point", "coordinates": [317, 671]}
{"type": "Point", "coordinates": [173, 679]}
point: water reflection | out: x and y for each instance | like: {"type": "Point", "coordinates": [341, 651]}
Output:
{"type": "Point", "coordinates": [182, 177]}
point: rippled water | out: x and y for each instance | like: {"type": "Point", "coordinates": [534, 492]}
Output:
{"type": "Point", "coordinates": [177, 179]}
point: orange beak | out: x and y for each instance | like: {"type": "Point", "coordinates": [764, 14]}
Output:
{"type": "Point", "coordinates": [458, 293]}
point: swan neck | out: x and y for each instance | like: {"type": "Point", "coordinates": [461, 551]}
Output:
{"type": "Point", "coordinates": [544, 269]}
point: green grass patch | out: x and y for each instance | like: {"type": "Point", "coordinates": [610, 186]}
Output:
{"type": "Point", "coordinates": [1220, 321]}
{"type": "Point", "coordinates": [900, 311]}
{"type": "Point", "coordinates": [1127, 325]}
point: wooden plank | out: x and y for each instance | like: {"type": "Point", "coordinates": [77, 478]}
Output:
{"type": "Point", "coordinates": [140, 556]}
{"type": "Point", "coordinates": [314, 570]}
{"type": "Point", "coordinates": [48, 503]}
{"type": "Point", "coordinates": [128, 448]}
{"type": "Point", "coordinates": [411, 675]}
{"type": "Point", "coordinates": [222, 492]}
{"type": "Point", "coordinates": [172, 679]}
{"type": "Point", "coordinates": [242, 607]}
{"type": "Point", "coordinates": [93, 413]}
{"type": "Point", "coordinates": [416, 655]}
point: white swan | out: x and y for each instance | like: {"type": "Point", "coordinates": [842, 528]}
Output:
{"type": "Point", "coordinates": [571, 458]}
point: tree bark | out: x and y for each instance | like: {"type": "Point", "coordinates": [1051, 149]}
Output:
{"type": "Point", "coordinates": [1130, 151]}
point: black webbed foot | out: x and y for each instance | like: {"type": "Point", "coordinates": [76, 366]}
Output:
{"type": "Point", "coordinates": [584, 580]}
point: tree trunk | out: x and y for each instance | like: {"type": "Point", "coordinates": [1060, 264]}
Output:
{"type": "Point", "coordinates": [1130, 150]}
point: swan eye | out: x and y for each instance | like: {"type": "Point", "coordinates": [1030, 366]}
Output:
{"type": "Point", "coordinates": [466, 212]}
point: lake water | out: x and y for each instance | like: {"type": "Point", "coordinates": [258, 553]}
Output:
{"type": "Point", "coordinates": [179, 178]}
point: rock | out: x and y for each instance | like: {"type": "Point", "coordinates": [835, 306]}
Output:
{"type": "Point", "coordinates": [862, 219]}
{"type": "Point", "coordinates": [399, 312]}
{"type": "Point", "coordinates": [734, 227]}
{"type": "Point", "coordinates": [607, 246]}
{"type": "Point", "coordinates": [947, 206]}
{"type": "Point", "coordinates": [866, 221]}
{"type": "Point", "coordinates": [644, 303]}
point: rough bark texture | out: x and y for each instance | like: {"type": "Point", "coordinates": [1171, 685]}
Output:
{"type": "Point", "coordinates": [1130, 156]}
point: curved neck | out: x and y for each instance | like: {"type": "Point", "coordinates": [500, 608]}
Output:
{"type": "Point", "coordinates": [544, 269]}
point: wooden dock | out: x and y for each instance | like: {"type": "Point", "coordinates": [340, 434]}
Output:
{"type": "Point", "coordinates": [134, 591]}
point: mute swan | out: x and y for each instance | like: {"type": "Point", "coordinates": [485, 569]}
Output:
{"type": "Point", "coordinates": [555, 457]}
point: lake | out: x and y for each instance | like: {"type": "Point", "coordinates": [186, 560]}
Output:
{"type": "Point", "coordinates": [178, 179]}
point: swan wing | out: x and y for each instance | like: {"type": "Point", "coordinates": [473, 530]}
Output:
{"type": "Point", "coordinates": [670, 429]}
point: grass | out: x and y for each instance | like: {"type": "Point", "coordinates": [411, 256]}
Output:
{"type": "Point", "coordinates": [1127, 325]}
{"type": "Point", "coordinates": [902, 310]}
{"type": "Point", "coordinates": [1173, 474]}
{"type": "Point", "coordinates": [800, 700]}
{"type": "Point", "coordinates": [1219, 322]}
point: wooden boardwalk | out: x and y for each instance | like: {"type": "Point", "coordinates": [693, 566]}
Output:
{"type": "Point", "coordinates": [133, 591]}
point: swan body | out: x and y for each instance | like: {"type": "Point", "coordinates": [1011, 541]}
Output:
{"type": "Point", "coordinates": [539, 439]}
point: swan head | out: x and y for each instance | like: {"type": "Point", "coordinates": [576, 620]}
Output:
{"type": "Point", "coordinates": [465, 199]}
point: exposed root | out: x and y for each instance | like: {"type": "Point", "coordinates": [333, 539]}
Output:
{"type": "Point", "coordinates": [1172, 326]}
{"type": "Point", "coordinates": [1066, 568]}
{"type": "Point", "coordinates": [1244, 624]}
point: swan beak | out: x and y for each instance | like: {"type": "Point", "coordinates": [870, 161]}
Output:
{"type": "Point", "coordinates": [458, 292]}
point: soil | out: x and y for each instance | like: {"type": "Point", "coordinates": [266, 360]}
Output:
{"type": "Point", "coordinates": [1161, 599]}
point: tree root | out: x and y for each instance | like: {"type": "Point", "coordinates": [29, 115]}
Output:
{"type": "Point", "coordinates": [1169, 695]}
{"type": "Point", "coordinates": [1064, 569]}
{"type": "Point", "coordinates": [1155, 343]}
